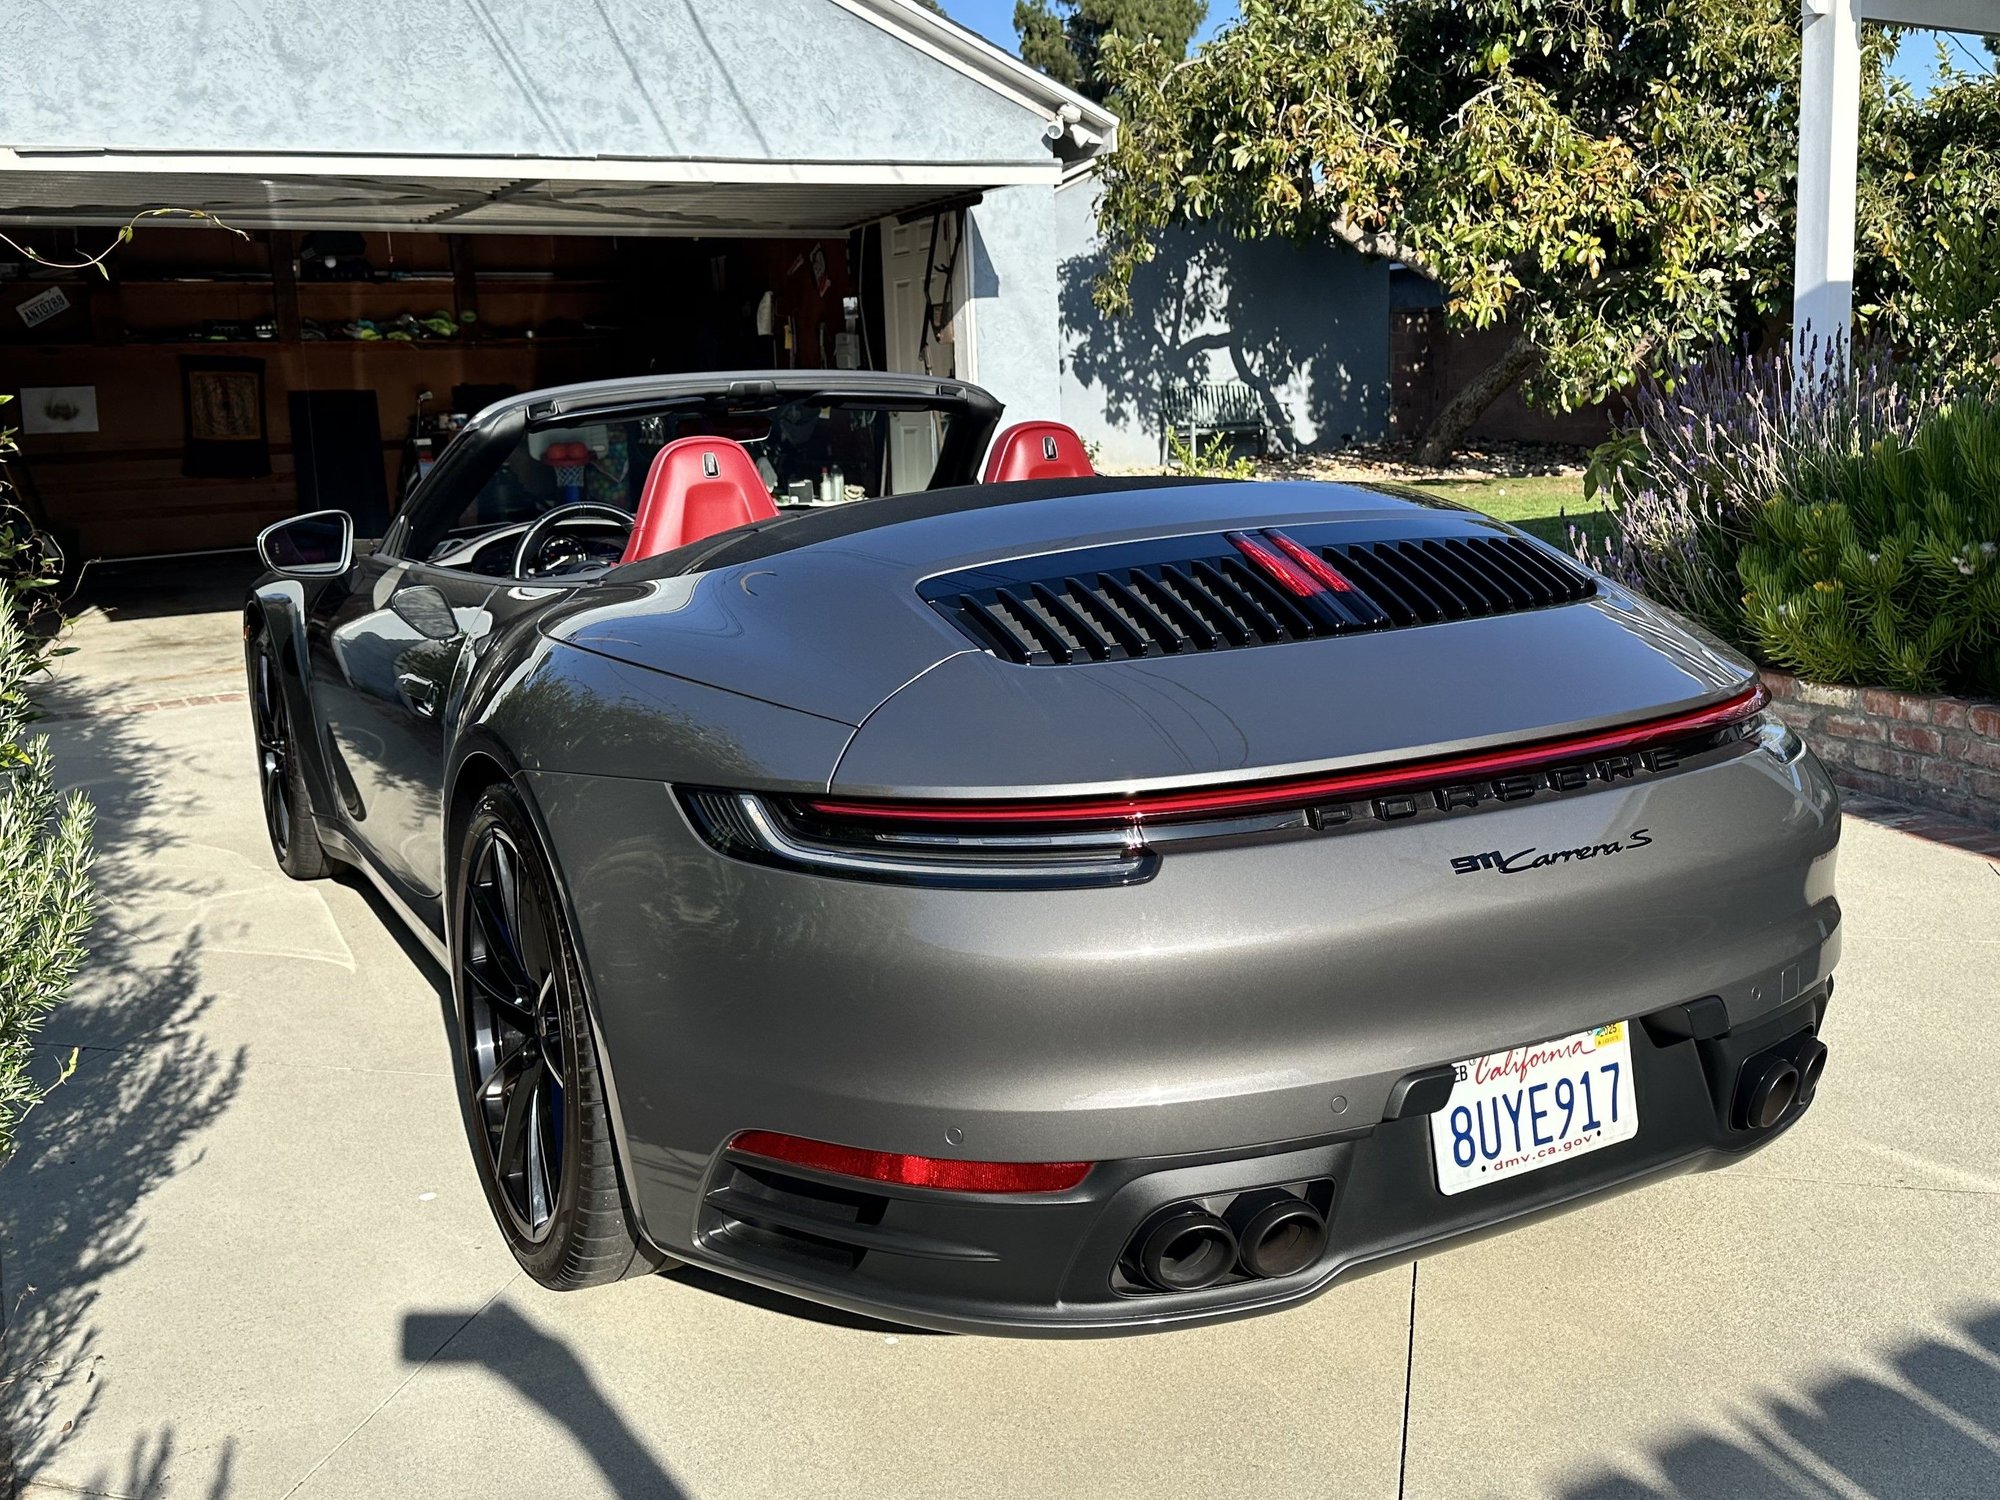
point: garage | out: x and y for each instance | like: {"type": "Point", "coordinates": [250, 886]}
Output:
{"type": "Point", "coordinates": [385, 244]}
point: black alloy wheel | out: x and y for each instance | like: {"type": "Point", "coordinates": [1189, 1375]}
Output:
{"type": "Point", "coordinates": [280, 776]}
{"type": "Point", "coordinates": [515, 1042]}
{"type": "Point", "coordinates": [534, 1097]}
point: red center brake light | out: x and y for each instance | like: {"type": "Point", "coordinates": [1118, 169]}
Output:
{"type": "Point", "coordinates": [1295, 581]}
{"type": "Point", "coordinates": [1315, 565]}
{"type": "Point", "coordinates": [1298, 570]}
{"type": "Point", "coordinates": [913, 1171]}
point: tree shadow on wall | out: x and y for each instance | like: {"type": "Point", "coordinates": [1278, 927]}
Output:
{"type": "Point", "coordinates": [1931, 1427]}
{"type": "Point", "coordinates": [1304, 327]}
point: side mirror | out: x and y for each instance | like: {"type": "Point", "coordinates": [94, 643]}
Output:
{"type": "Point", "coordinates": [319, 545]}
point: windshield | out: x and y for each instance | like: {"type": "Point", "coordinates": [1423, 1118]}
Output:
{"type": "Point", "coordinates": [808, 454]}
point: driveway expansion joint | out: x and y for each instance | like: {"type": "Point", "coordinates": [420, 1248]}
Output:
{"type": "Point", "coordinates": [375, 1411]}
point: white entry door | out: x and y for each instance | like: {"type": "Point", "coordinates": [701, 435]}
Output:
{"type": "Point", "coordinates": [921, 283]}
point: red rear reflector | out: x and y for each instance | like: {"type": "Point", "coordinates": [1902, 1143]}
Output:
{"type": "Point", "coordinates": [1222, 801]}
{"type": "Point", "coordinates": [913, 1171]}
{"type": "Point", "coordinates": [1272, 566]}
{"type": "Point", "coordinates": [1311, 561]}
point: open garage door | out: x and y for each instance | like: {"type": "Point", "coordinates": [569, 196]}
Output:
{"type": "Point", "coordinates": [219, 381]}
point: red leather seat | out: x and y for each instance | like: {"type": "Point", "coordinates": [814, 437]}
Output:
{"type": "Point", "coordinates": [1036, 450]}
{"type": "Point", "coordinates": [698, 486]}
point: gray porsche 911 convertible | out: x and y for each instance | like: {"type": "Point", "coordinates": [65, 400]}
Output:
{"type": "Point", "coordinates": [888, 863]}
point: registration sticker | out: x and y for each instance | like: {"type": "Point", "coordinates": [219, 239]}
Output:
{"type": "Point", "coordinates": [1528, 1107]}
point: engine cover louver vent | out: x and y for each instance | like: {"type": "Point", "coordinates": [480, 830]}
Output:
{"type": "Point", "coordinates": [1215, 593]}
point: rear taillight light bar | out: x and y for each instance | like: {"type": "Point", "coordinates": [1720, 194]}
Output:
{"type": "Point", "coordinates": [764, 830]}
{"type": "Point", "coordinates": [911, 1171]}
{"type": "Point", "coordinates": [1138, 808]}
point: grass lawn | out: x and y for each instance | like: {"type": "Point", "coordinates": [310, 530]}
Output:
{"type": "Point", "coordinates": [1546, 505]}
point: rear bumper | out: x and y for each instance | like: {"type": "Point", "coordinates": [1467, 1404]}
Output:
{"type": "Point", "coordinates": [1237, 1022]}
{"type": "Point", "coordinates": [1047, 1266]}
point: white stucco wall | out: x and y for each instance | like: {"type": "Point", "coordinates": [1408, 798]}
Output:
{"type": "Point", "coordinates": [1307, 327]}
{"type": "Point", "coordinates": [1013, 288]}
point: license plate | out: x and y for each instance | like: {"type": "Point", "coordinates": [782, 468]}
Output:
{"type": "Point", "coordinates": [1529, 1107]}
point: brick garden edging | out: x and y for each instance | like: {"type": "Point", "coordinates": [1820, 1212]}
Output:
{"type": "Point", "coordinates": [1931, 750]}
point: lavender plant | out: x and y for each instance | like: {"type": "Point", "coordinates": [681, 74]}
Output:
{"type": "Point", "coordinates": [1702, 452]}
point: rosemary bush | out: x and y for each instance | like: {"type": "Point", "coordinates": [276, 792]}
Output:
{"type": "Point", "coordinates": [46, 900]}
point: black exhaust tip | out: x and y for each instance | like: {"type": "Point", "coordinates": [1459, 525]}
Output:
{"type": "Point", "coordinates": [1185, 1249]}
{"type": "Point", "coordinates": [1276, 1234]}
{"type": "Point", "coordinates": [1770, 1088]}
{"type": "Point", "coordinates": [1811, 1063]}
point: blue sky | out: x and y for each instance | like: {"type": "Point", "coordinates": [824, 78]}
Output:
{"type": "Point", "coordinates": [1916, 60]}
{"type": "Point", "coordinates": [994, 19]}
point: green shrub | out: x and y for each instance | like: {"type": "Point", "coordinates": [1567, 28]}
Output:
{"type": "Point", "coordinates": [1214, 459]}
{"type": "Point", "coordinates": [1880, 568]}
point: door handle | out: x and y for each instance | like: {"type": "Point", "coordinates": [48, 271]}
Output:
{"type": "Point", "coordinates": [420, 692]}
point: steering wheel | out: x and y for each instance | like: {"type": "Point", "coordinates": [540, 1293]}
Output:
{"type": "Point", "coordinates": [529, 561]}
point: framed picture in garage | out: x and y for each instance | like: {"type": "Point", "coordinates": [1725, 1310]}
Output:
{"type": "Point", "coordinates": [224, 404]}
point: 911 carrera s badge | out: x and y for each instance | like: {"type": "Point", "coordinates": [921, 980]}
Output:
{"type": "Point", "coordinates": [1523, 860]}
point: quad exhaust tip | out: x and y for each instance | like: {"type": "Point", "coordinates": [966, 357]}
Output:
{"type": "Point", "coordinates": [1276, 1234]}
{"type": "Point", "coordinates": [1812, 1062]}
{"type": "Point", "coordinates": [1187, 1248]}
{"type": "Point", "coordinates": [1264, 1234]}
{"type": "Point", "coordinates": [1770, 1089]}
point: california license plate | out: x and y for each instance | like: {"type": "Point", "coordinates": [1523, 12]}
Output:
{"type": "Point", "coordinates": [1530, 1107]}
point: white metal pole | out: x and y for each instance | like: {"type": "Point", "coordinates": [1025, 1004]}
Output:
{"type": "Point", "coordinates": [1829, 131]}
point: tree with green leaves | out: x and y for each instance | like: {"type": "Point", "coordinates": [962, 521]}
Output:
{"type": "Point", "coordinates": [1066, 39]}
{"type": "Point", "coordinates": [1610, 181]}
{"type": "Point", "coordinates": [1927, 224]}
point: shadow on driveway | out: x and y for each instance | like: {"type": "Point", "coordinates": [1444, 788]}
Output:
{"type": "Point", "coordinates": [1934, 1431]}
{"type": "Point", "coordinates": [147, 1084]}
{"type": "Point", "coordinates": [543, 1370]}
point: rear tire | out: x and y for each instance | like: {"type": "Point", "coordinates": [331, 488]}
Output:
{"type": "Point", "coordinates": [281, 782]}
{"type": "Point", "coordinates": [533, 1095]}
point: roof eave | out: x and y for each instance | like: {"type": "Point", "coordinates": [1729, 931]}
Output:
{"type": "Point", "coordinates": [948, 42]}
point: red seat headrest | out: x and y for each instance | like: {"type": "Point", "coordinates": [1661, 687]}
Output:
{"type": "Point", "coordinates": [1036, 450]}
{"type": "Point", "coordinates": [698, 486]}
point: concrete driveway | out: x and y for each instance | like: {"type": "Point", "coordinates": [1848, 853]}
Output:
{"type": "Point", "coordinates": [245, 1254]}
